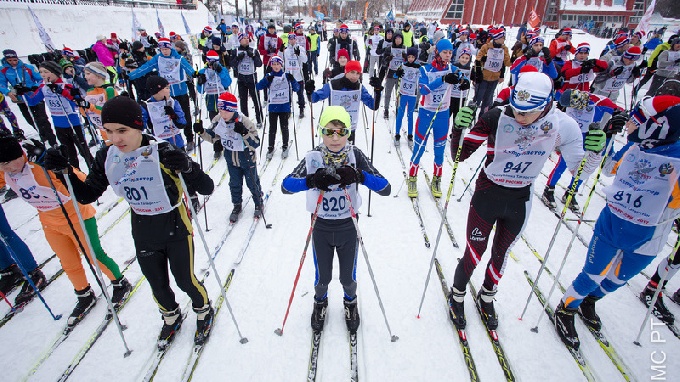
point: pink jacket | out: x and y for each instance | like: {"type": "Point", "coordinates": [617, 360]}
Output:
{"type": "Point", "coordinates": [104, 55]}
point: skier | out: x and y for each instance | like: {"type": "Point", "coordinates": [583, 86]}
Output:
{"type": "Point", "coordinates": [160, 225]}
{"type": "Point", "coordinates": [295, 59]}
{"type": "Point", "coordinates": [520, 138]}
{"type": "Point", "coordinates": [667, 269]}
{"type": "Point", "coordinates": [213, 80]}
{"type": "Point", "coordinates": [332, 172]}
{"type": "Point", "coordinates": [24, 174]}
{"type": "Point", "coordinates": [337, 69]}
{"type": "Point", "coordinates": [393, 57]}
{"type": "Point", "coordinates": [621, 70]}
{"type": "Point", "coordinates": [560, 48]}
{"type": "Point", "coordinates": [632, 228]}
{"type": "Point", "coordinates": [7, 112]}
{"type": "Point", "coordinates": [409, 77]}
{"type": "Point", "coordinates": [580, 72]}
{"type": "Point", "coordinates": [239, 138]}
{"type": "Point", "coordinates": [102, 90]}
{"type": "Point", "coordinates": [489, 70]}
{"type": "Point", "coordinates": [668, 65]}
{"type": "Point", "coordinates": [343, 41]}
{"type": "Point", "coordinates": [536, 55]}
{"type": "Point", "coordinates": [314, 50]}
{"type": "Point", "coordinates": [372, 43]}
{"type": "Point", "coordinates": [269, 46]}
{"type": "Point", "coordinates": [162, 115]}
{"type": "Point", "coordinates": [459, 91]}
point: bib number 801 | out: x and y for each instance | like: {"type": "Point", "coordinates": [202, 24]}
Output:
{"type": "Point", "coordinates": [131, 193]}
{"type": "Point", "coordinates": [334, 204]}
{"type": "Point", "coordinates": [620, 196]}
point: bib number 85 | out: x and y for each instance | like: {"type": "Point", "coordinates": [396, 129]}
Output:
{"type": "Point", "coordinates": [334, 204]}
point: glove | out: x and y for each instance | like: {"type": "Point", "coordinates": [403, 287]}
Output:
{"type": "Point", "coordinates": [464, 84]}
{"type": "Point", "coordinates": [530, 53]}
{"type": "Point", "coordinates": [216, 67]}
{"type": "Point", "coordinates": [586, 66]}
{"type": "Point", "coordinates": [55, 160]}
{"type": "Point", "coordinates": [296, 50]}
{"type": "Point", "coordinates": [35, 150]}
{"type": "Point", "coordinates": [568, 47]}
{"type": "Point", "coordinates": [201, 79]}
{"type": "Point", "coordinates": [82, 103]}
{"type": "Point", "coordinates": [399, 72]}
{"type": "Point", "coordinates": [374, 82]}
{"type": "Point", "coordinates": [479, 76]}
{"type": "Point", "coordinates": [270, 78]}
{"type": "Point", "coordinates": [271, 50]}
{"type": "Point", "coordinates": [194, 74]}
{"type": "Point", "coordinates": [21, 89]}
{"type": "Point", "coordinates": [546, 55]}
{"type": "Point", "coordinates": [616, 123]}
{"type": "Point", "coordinates": [177, 160]}
{"type": "Point", "coordinates": [452, 78]}
{"type": "Point", "coordinates": [677, 61]}
{"type": "Point", "coordinates": [594, 140]}
{"type": "Point", "coordinates": [54, 88]}
{"type": "Point", "coordinates": [636, 72]}
{"type": "Point", "coordinates": [19, 134]}
{"type": "Point", "coordinates": [198, 127]}
{"type": "Point", "coordinates": [250, 53]}
{"type": "Point", "coordinates": [464, 117]}
{"type": "Point", "coordinates": [240, 55]}
{"type": "Point", "coordinates": [349, 175]}
{"type": "Point", "coordinates": [322, 179]}
{"type": "Point", "coordinates": [170, 112]}
{"type": "Point", "coordinates": [309, 86]}
{"type": "Point", "coordinates": [617, 71]}
{"type": "Point", "coordinates": [240, 128]}
{"type": "Point", "coordinates": [290, 77]}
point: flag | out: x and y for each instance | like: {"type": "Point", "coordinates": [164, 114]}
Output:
{"type": "Point", "coordinates": [319, 15]}
{"type": "Point", "coordinates": [644, 22]}
{"type": "Point", "coordinates": [186, 26]}
{"type": "Point", "coordinates": [161, 30]}
{"type": "Point", "coordinates": [534, 20]}
{"type": "Point", "coordinates": [365, 9]}
{"type": "Point", "coordinates": [46, 40]}
{"type": "Point", "coordinates": [390, 15]}
{"type": "Point", "coordinates": [135, 25]}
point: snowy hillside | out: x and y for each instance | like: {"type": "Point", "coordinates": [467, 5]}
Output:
{"type": "Point", "coordinates": [264, 269]}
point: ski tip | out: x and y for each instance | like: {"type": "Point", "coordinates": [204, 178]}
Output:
{"type": "Point", "coordinates": [637, 343]}
{"type": "Point", "coordinates": [57, 317]}
{"type": "Point", "coordinates": [418, 316]}
{"type": "Point", "coordinates": [279, 332]}
{"type": "Point", "coordinates": [268, 226]}
{"type": "Point", "coordinates": [394, 338]}
{"type": "Point", "coordinates": [519, 318]}
{"type": "Point", "coordinates": [534, 329]}
{"type": "Point", "coordinates": [243, 340]}
{"type": "Point", "coordinates": [127, 353]}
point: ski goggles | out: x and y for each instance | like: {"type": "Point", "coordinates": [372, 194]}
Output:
{"type": "Point", "coordinates": [344, 30]}
{"type": "Point", "coordinates": [341, 132]}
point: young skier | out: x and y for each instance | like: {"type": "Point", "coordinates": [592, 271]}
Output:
{"type": "Point", "coordinates": [102, 90]}
{"type": "Point", "coordinates": [280, 85]}
{"type": "Point", "coordinates": [580, 72]}
{"type": "Point", "coordinates": [213, 80]}
{"type": "Point", "coordinates": [25, 175]}
{"type": "Point", "coordinates": [245, 62]}
{"type": "Point", "coordinates": [393, 57]}
{"type": "Point", "coordinates": [239, 138]}
{"type": "Point", "coordinates": [337, 69]}
{"type": "Point", "coordinates": [667, 270]}
{"type": "Point", "coordinates": [331, 171]}
{"type": "Point", "coordinates": [634, 225]}
{"type": "Point", "coordinates": [490, 64]}
{"type": "Point", "coordinates": [459, 91]}
{"type": "Point", "coordinates": [536, 55]}
{"type": "Point", "coordinates": [372, 43]}
{"type": "Point", "coordinates": [295, 57]}
{"type": "Point", "coordinates": [161, 229]}
{"type": "Point", "coordinates": [343, 41]}
{"type": "Point", "coordinates": [161, 114]}
{"type": "Point", "coordinates": [409, 77]}
{"type": "Point", "coordinates": [520, 138]}
{"type": "Point", "coordinates": [561, 47]}
{"type": "Point", "coordinates": [621, 70]}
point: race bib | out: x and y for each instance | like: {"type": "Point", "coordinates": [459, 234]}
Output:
{"type": "Point", "coordinates": [279, 91]}
{"type": "Point", "coordinates": [583, 117]}
{"type": "Point", "coordinates": [494, 59]}
{"type": "Point", "coordinates": [439, 98]}
{"type": "Point", "coordinates": [409, 81]}
{"type": "Point", "coordinates": [163, 127]}
{"type": "Point", "coordinates": [335, 204]}
{"type": "Point", "coordinates": [170, 69]}
{"type": "Point", "coordinates": [397, 59]}
{"type": "Point", "coordinates": [232, 140]}
{"type": "Point", "coordinates": [246, 66]}
{"type": "Point", "coordinates": [350, 100]}
{"type": "Point", "coordinates": [40, 197]}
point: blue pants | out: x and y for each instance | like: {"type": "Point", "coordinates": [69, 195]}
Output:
{"type": "Point", "coordinates": [404, 103]}
{"type": "Point", "coordinates": [247, 170]}
{"type": "Point", "coordinates": [19, 248]}
{"type": "Point", "coordinates": [484, 94]}
{"type": "Point", "coordinates": [430, 122]}
{"type": "Point", "coordinates": [314, 61]}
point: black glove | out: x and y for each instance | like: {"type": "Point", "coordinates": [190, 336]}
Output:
{"type": "Point", "coordinates": [56, 89]}
{"type": "Point", "coordinates": [271, 50]}
{"type": "Point", "coordinates": [82, 103]}
{"type": "Point", "coordinates": [309, 86]}
{"type": "Point", "coordinates": [479, 75]}
{"type": "Point", "coordinates": [375, 83]}
{"type": "Point", "coordinates": [452, 78]}
{"type": "Point", "coordinates": [636, 72]}
{"type": "Point", "coordinates": [130, 62]}
{"type": "Point", "coordinates": [19, 134]}
{"type": "Point", "coordinates": [240, 128]}
{"type": "Point", "coordinates": [389, 58]}
{"type": "Point", "coordinates": [21, 89]}
{"type": "Point", "coordinates": [296, 50]}
{"type": "Point", "coordinates": [240, 55]}
{"type": "Point", "coordinates": [198, 127]}
{"type": "Point", "coordinates": [290, 77]}
{"type": "Point", "coordinates": [55, 159]}
{"type": "Point", "coordinates": [546, 55]}
{"type": "Point", "coordinates": [177, 160]}
{"type": "Point", "coordinates": [250, 52]}
{"type": "Point", "coordinates": [201, 79]}
{"type": "Point", "coordinates": [322, 179]}
{"type": "Point", "coordinates": [530, 53]}
{"type": "Point", "coordinates": [194, 74]}
{"type": "Point", "coordinates": [35, 150]}
{"type": "Point", "coordinates": [617, 71]}
{"type": "Point", "coordinates": [616, 123]}
{"type": "Point", "coordinates": [349, 175]}
{"type": "Point", "coordinates": [464, 84]}
{"type": "Point", "coordinates": [216, 67]}
{"type": "Point", "coordinates": [399, 72]}
{"type": "Point", "coordinates": [568, 47]}
{"type": "Point", "coordinates": [586, 66]}
{"type": "Point", "coordinates": [677, 61]}
{"type": "Point", "coordinates": [170, 112]}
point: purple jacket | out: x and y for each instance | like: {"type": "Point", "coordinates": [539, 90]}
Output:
{"type": "Point", "coordinates": [104, 55]}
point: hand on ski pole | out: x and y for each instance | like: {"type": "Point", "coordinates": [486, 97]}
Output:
{"type": "Point", "coordinates": [177, 160]}
{"type": "Point", "coordinates": [595, 139]}
{"type": "Point", "coordinates": [349, 175]}
{"type": "Point", "coordinates": [55, 160]}
{"type": "Point", "coordinates": [322, 179]}
{"type": "Point", "coordinates": [35, 150]}
{"type": "Point", "coordinates": [464, 118]}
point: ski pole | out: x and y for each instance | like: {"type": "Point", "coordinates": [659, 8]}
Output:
{"type": "Point", "coordinates": [472, 178]}
{"type": "Point", "coordinates": [363, 107]}
{"type": "Point", "coordinates": [292, 113]}
{"type": "Point", "coordinates": [243, 339]}
{"type": "Point", "coordinates": [657, 292]}
{"type": "Point", "coordinates": [372, 153]}
{"type": "Point", "coordinates": [2, 295]}
{"type": "Point", "coordinates": [97, 270]}
{"type": "Point", "coordinates": [84, 151]}
{"type": "Point", "coordinates": [30, 282]}
{"type": "Point", "coordinates": [279, 331]}
{"type": "Point", "coordinates": [393, 337]}
{"type": "Point", "coordinates": [441, 224]}
{"type": "Point", "coordinates": [311, 119]}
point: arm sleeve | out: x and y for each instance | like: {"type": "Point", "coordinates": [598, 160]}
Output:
{"type": "Point", "coordinates": [368, 99]}
{"type": "Point", "coordinates": [225, 78]}
{"type": "Point", "coordinates": [252, 139]}
{"type": "Point", "coordinates": [296, 181]}
{"type": "Point", "coordinates": [478, 135]}
{"type": "Point", "coordinates": [144, 69]}
{"type": "Point", "coordinates": [372, 178]}
{"type": "Point", "coordinates": [181, 120]}
{"type": "Point", "coordinates": [95, 184]}
{"type": "Point", "coordinates": [196, 179]}
{"type": "Point", "coordinates": [322, 93]}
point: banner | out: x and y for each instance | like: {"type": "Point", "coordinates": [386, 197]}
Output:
{"type": "Point", "coordinates": [161, 30]}
{"type": "Point", "coordinates": [644, 22]}
{"type": "Point", "coordinates": [319, 15]}
{"type": "Point", "coordinates": [135, 25]}
{"type": "Point", "coordinates": [534, 20]}
{"type": "Point", "coordinates": [186, 25]}
{"type": "Point", "coordinates": [365, 9]}
{"type": "Point", "coordinates": [390, 15]}
{"type": "Point", "coordinates": [44, 37]}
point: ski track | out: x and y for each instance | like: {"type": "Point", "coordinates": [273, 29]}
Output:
{"type": "Point", "coordinates": [427, 348]}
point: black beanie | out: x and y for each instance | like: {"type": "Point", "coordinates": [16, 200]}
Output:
{"type": "Point", "coordinates": [52, 67]}
{"type": "Point", "coordinates": [124, 110]}
{"type": "Point", "coordinates": [155, 84]}
{"type": "Point", "coordinates": [10, 149]}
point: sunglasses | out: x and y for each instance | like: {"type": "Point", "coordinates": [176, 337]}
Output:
{"type": "Point", "coordinates": [524, 113]}
{"type": "Point", "coordinates": [341, 132]}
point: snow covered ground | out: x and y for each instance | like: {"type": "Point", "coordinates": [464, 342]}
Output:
{"type": "Point", "coordinates": [427, 349]}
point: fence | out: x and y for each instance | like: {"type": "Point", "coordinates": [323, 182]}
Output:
{"type": "Point", "coordinates": [178, 4]}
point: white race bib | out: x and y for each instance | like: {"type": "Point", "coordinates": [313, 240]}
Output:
{"type": "Point", "coordinates": [163, 127]}
{"type": "Point", "coordinates": [279, 91]}
{"type": "Point", "coordinates": [439, 98]}
{"type": "Point", "coordinates": [409, 81]}
{"type": "Point", "coordinates": [170, 68]}
{"type": "Point", "coordinates": [232, 140]}
{"type": "Point", "coordinates": [583, 117]}
{"type": "Point", "coordinates": [397, 58]}
{"type": "Point", "coordinates": [494, 59]}
{"type": "Point", "coordinates": [213, 82]}
{"type": "Point", "coordinates": [455, 88]}
{"type": "Point", "coordinates": [350, 100]}
{"type": "Point", "coordinates": [40, 197]}
{"type": "Point", "coordinates": [246, 66]}
{"type": "Point", "coordinates": [334, 204]}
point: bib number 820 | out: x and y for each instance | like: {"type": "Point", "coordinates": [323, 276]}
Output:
{"type": "Point", "coordinates": [334, 204]}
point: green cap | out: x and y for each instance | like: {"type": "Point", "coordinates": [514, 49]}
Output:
{"type": "Point", "coordinates": [331, 113]}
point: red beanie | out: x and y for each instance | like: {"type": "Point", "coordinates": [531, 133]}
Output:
{"type": "Point", "coordinates": [353, 65]}
{"type": "Point", "coordinates": [343, 53]}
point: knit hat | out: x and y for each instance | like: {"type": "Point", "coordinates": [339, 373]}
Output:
{"type": "Point", "coordinates": [212, 55]}
{"type": "Point", "coordinates": [344, 28]}
{"type": "Point", "coordinates": [136, 45]}
{"type": "Point", "coordinates": [336, 30]}
{"type": "Point", "coordinates": [566, 32]}
{"type": "Point", "coordinates": [639, 34]}
{"type": "Point", "coordinates": [657, 120]}
{"type": "Point", "coordinates": [64, 63]}
{"type": "Point", "coordinates": [277, 59]}
{"type": "Point", "coordinates": [242, 36]}
{"type": "Point", "coordinates": [291, 37]}
{"type": "Point", "coordinates": [164, 42]}
{"type": "Point", "coordinates": [155, 84]}
{"type": "Point", "coordinates": [438, 35]}
{"type": "Point", "coordinates": [632, 53]}
{"type": "Point", "coordinates": [172, 35]}
{"type": "Point", "coordinates": [271, 25]}
{"type": "Point", "coordinates": [536, 40]}
{"type": "Point", "coordinates": [68, 52]}
{"type": "Point", "coordinates": [465, 31]}
{"type": "Point", "coordinates": [207, 30]}
{"type": "Point", "coordinates": [532, 92]}
{"type": "Point", "coordinates": [462, 52]}
{"type": "Point", "coordinates": [234, 25]}
{"type": "Point", "coordinates": [497, 33]}
{"type": "Point", "coordinates": [583, 47]}
{"type": "Point", "coordinates": [227, 101]}
{"type": "Point", "coordinates": [444, 44]}
{"type": "Point", "coordinates": [114, 36]}
{"type": "Point", "coordinates": [101, 37]}
{"type": "Point", "coordinates": [216, 40]}
{"type": "Point", "coordinates": [9, 53]}
{"type": "Point", "coordinates": [343, 53]}
{"type": "Point", "coordinates": [52, 67]}
{"type": "Point", "coordinates": [669, 87]}
{"type": "Point", "coordinates": [621, 41]}
{"type": "Point", "coordinates": [10, 149]}
{"type": "Point", "coordinates": [124, 110]}
{"type": "Point", "coordinates": [298, 26]}
{"type": "Point", "coordinates": [353, 66]}
{"type": "Point", "coordinates": [412, 51]}
{"type": "Point", "coordinates": [332, 113]}
{"type": "Point", "coordinates": [97, 68]}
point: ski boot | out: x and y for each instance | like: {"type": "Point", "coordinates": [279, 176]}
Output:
{"type": "Point", "coordinates": [676, 297]}
{"type": "Point", "coordinates": [195, 203]}
{"type": "Point", "coordinates": [204, 320]}
{"type": "Point", "coordinates": [485, 302]}
{"type": "Point", "coordinates": [436, 186]}
{"type": "Point", "coordinates": [410, 141]}
{"type": "Point", "coordinates": [397, 137]}
{"type": "Point", "coordinates": [190, 146]}
{"type": "Point", "coordinates": [588, 314]}
{"type": "Point", "coordinates": [457, 308]}
{"type": "Point", "coordinates": [660, 310]}
{"type": "Point", "coordinates": [386, 114]}
{"type": "Point", "coordinates": [284, 153]}
{"type": "Point", "coordinates": [10, 278]}
{"type": "Point", "coordinates": [172, 321]}
{"type": "Point", "coordinates": [258, 212]}
{"type": "Point", "coordinates": [319, 314]}
{"type": "Point", "coordinates": [302, 113]}
{"type": "Point", "coordinates": [412, 184]}
{"type": "Point", "coordinates": [270, 154]}
{"type": "Point", "coordinates": [27, 292]}
{"type": "Point", "coordinates": [86, 301]}
{"type": "Point", "coordinates": [233, 217]}
{"type": "Point", "coordinates": [217, 155]}
{"type": "Point", "coordinates": [573, 205]}
{"type": "Point", "coordinates": [548, 198]}
{"type": "Point", "coordinates": [121, 291]}
{"type": "Point", "coordinates": [564, 324]}
{"type": "Point", "coordinates": [352, 319]}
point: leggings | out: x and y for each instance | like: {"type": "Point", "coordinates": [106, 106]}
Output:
{"type": "Point", "coordinates": [20, 252]}
{"type": "Point", "coordinates": [430, 122]}
{"type": "Point", "coordinates": [283, 118]}
{"type": "Point", "coordinates": [405, 102]}
{"type": "Point", "coordinates": [342, 238]}
{"type": "Point", "coordinates": [74, 140]}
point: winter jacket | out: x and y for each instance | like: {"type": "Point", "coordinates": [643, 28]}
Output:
{"type": "Point", "coordinates": [24, 74]}
{"type": "Point", "coordinates": [269, 45]}
{"type": "Point", "coordinates": [60, 103]}
{"type": "Point", "coordinates": [185, 71]}
{"type": "Point", "coordinates": [237, 58]}
{"type": "Point", "coordinates": [251, 141]}
{"type": "Point", "coordinates": [481, 59]}
{"type": "Point", "coordinates": [104, 54]}
{"type": "Point", "coordinates": [667, 67]}
{"type": "Point", "coordinates": [265, 83]}
{"type": "Point", "coordinates": [211, 77]}
{"type": "Point", "coordinates": [344, 84]}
